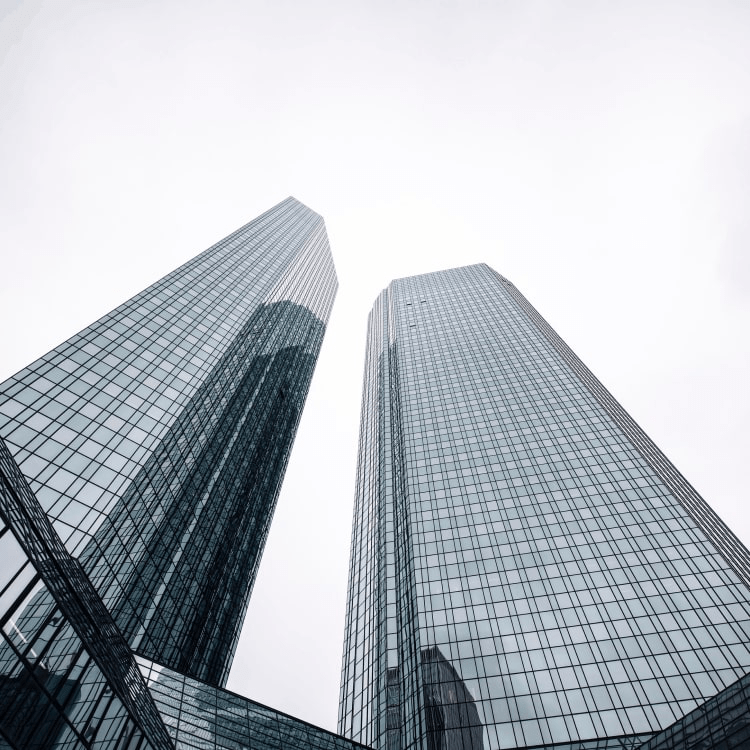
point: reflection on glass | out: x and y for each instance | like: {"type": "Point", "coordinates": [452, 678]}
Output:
{"type": "Point", "coordinates": [393, 708]}
{"type": "Point", "coordinates": [452, 718]}
{"type": "Point", "coordinates": [52, 693]}
{"type": "Point", "coordinates": [187, 536]}
{"type": "Point", "coordinates": [30, 719]}
{"type": "Point", "coordinates": [66, 677]}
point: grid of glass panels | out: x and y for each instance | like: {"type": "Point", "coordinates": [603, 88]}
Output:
{"type": "Point", "coordinates": [721, 722]}
{"type": "Point", "coordinates": [373, 701]}
{"type": "Point", "coordinates": [363, 690]}
{"type": "Point", "coordinates": [52, 693]}
{"type": "Point", "coordinates": [67, 679]}
{"type": "Point", "coordinates": [573, 597]}
{"type": "Point", "coordinates": [156, 439]}
{"type": "Point", "coordinates": [209, 718]}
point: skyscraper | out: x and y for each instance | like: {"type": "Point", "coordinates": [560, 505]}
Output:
{"type": "Point", "coordinates": [527, 567]}
{"type": "Point", "coordinates": [144, 459]}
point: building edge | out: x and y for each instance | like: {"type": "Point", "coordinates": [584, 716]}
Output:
{"type": "Point", "coordinates": [724, 540]}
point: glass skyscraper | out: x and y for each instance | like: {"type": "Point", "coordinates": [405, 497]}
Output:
{"type": "Point", "coordinates": [141, 463]}
{"type": "Point", "coordinates": [527, 568]}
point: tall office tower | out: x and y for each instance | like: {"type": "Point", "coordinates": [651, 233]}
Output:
{"type": "Point", "coordinates": [156, 439]}
{"type": "Point", "coordinates": [527, 567]}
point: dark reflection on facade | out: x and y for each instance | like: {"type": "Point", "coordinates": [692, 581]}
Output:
{"type": "Point", "coordinates": [393, 709]}
{"type": "Point", "coordinates": [67, 678]}
{"type": "Point", "coordinates": [451, 714]}
{"type": "Point", "coordinates": [187, 536]}
{"type": "Point", "coordinates": [30, 717]}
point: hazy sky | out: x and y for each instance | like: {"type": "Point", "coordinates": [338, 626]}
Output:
{"type": "Point", "coordinates": [596, 153]}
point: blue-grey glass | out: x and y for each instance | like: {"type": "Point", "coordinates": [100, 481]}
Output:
{"type": "Point", "coordinates": [67, 677]}
{"type": "Point", "coordinates": [527, 568]}
{"type": "Point", "coordinates": [722, 722]}
{"type": "Point", "coordinates": [206, 535]}
{"type": "Point", "coordinates": [157, 438]}
{"type": "Point", "coordinates": [202, 716]}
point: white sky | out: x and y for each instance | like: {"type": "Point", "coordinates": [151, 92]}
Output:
{"type": "Point", "coordinates": [596, 153]}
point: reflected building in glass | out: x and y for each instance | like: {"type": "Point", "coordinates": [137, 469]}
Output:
{"type": "Point", "coordinates": [527, 568]}
{"type": "Point", "coordinates": [143, 463]}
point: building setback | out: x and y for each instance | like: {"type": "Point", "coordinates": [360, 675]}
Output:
{"type": "Point", "coordinates": [527, 567]}
{"type": "Point", "coordinates": [144, 458]}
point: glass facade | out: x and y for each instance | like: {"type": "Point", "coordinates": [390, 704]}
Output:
{"type": "Point", "coordinates": [141, 464]}
{"type": "Point", "coordinates": [157, 438]}
{"type": "Point", "coordinates": [527, 567]}
{"type": "Point", "coordinates": [67, 677]}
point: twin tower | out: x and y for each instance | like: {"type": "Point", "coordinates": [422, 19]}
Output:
{"type": "Point", "coordinates": [528, 569]}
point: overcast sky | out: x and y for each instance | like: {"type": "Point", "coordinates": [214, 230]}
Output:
{"type": "Point", "coordinates": [595, 153]}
